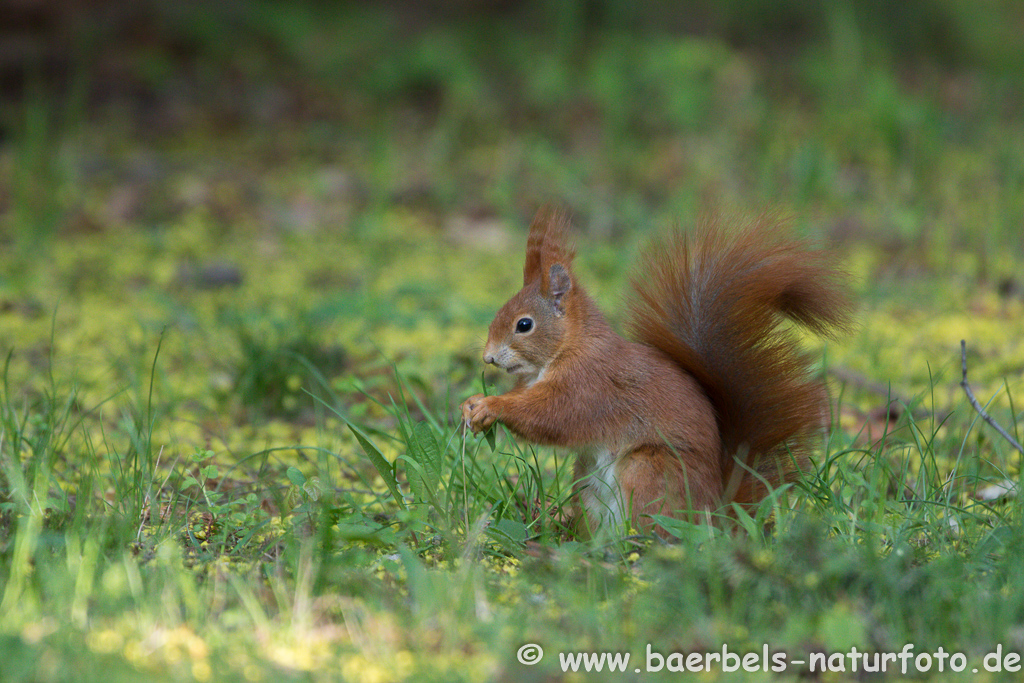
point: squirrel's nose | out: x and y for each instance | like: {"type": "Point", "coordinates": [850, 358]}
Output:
{"type": "Point", "coordinates": [488, 357]}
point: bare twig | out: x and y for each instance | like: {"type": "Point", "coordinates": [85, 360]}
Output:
{"type": "Point", "coordinates": [977, 406]}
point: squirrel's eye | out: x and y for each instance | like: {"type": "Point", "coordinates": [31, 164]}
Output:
{"type": "Point", "coordinates": [524, 325]}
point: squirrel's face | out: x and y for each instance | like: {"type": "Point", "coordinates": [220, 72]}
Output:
{"type": "Point", "coordinates": [526, 334]}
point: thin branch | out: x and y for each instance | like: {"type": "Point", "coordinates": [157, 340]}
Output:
{"type": "Point", "coordinates": [977, 406]}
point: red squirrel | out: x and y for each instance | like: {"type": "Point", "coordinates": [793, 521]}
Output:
{"type": "Point", "coordinates": [711, 401]}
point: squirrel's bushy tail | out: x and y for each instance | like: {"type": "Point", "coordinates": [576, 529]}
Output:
{"type": "Point", "coordinates": [715, 302]}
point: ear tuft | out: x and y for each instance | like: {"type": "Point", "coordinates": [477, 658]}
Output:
{"type": "Point", "coordinates": [546, 244]}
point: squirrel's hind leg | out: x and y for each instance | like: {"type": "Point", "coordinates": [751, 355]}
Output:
{"type": "Point", "coordinates": [654, 481]}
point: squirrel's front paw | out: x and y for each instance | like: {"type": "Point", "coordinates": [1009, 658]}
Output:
{"type": "Point", "coordinates": [476, 412]}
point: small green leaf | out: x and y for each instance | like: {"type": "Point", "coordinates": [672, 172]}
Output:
{"type": "Point", "coordinates": [312, 489]}
{"type": "Point", "coordinates": [425, 454]}
{"type": "Point", "coordinates": [201, 454]}
{"type": "Point", "coordinates": [377, 458]}
{"type": "Point", "coordinates": [416, 474]}
{"type": "Point", "coordinates": [509, 533]}
{"type": "Point", "coordinates": [295, 476]}
{"type": "Point", "coordinates": [688, 532]}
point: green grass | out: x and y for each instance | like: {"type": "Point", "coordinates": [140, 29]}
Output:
{"type": "Point", "coordinates": [161, 521]}
{"type": "Point", "coordinates": [445, 558]}
{"type": "Point", "coordinates": [234, 347]}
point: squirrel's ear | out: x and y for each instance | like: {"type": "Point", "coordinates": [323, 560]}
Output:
{"type": "Point", "coordinates": [559, 284]}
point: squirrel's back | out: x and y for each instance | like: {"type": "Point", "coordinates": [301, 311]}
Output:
{"type": "Point", "coordinates": [715, 302]}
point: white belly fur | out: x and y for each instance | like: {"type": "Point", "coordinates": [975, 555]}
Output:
{"type": "Point", "coordinates": [601, 494]}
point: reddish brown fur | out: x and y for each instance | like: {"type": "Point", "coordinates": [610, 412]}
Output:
{"type": "Point", "coordinates": [714, 304]}
{"type": "Point", "coordinates": [546, 245]}
{"type": "Point", "coordinates": [711, 375]}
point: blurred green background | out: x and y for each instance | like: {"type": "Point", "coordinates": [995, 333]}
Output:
{"type": "Point", "coordinates": [347, 183]}
{"type": "Point", "coordinates": [896, 121]}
